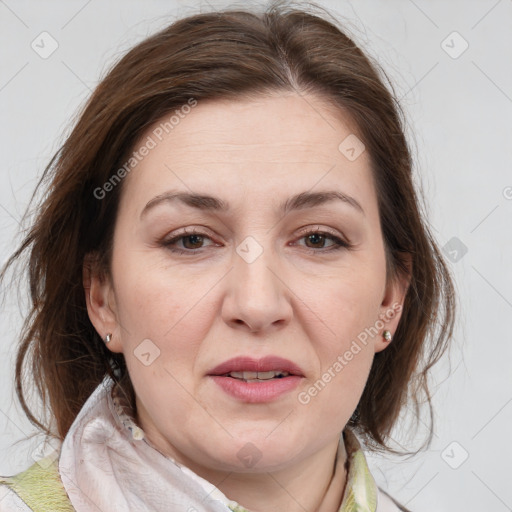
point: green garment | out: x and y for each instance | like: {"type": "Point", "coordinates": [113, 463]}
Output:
{"type": "Point", "coordinates": [40, 487]}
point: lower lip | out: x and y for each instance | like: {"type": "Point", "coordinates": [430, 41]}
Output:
{"type": "Point", "coordinates": [257, 392]}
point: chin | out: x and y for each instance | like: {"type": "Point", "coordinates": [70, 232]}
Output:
{"type": "Point", "coordinates": [258, 452]}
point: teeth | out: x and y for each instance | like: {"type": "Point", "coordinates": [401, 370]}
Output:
{"type": "Point", "coordinates": [258, 375]}
{"type": "Point", "coordinates": [271, 375]}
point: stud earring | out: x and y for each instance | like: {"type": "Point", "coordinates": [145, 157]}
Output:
{"type": "Point", "coordinates": [387, 335]}
{"type": "Point", "coordinates": [108, 337]}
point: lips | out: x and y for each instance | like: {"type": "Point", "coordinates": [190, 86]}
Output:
{"type": "Point", "coordinates": [253, 381]}
{"type": "Point", "coordinates": [249, 364]}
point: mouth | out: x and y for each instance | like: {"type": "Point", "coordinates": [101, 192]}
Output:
{"type": "Point", "coordinates": [248, 368]}
{"type": "Point", "coordinates": [257, 380]}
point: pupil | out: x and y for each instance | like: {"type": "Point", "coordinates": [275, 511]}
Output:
{"type": "Point", "coordinates": [197, 239]}
{"type": "Point", "coordinates": [319, 238]}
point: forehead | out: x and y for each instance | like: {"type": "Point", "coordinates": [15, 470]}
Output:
{"type": "Point", "coordinates": [270, 144]}
{"type": "Point", "coordinates": [268, 123]}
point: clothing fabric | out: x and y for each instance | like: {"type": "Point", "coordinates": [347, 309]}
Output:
{"type": "Point", "coordinates": [106, 463]}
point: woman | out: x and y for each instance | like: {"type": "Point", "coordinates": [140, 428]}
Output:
{"type": "Point", "coordinates": [230, 277]}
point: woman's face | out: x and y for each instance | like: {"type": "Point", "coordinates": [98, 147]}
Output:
{"type": "Point", "coordinates": [286, 259]}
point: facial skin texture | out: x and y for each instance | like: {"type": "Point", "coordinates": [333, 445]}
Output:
{"type": "Point", "coordinates": [298, 299]}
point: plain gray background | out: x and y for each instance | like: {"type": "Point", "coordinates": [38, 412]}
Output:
{"type": "Point", "coordinates": [451, 63]}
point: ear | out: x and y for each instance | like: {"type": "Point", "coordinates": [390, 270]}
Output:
{"type": "Point", "coordinates": [100, 300]}
{"type": "Point", "coordinates": [393, 301]}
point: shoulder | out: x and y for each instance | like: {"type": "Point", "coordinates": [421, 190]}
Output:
{"type": "Point", "coordinates": [385, 503]}
{"type": "Point", "coordinates": [10, 501]}
{"type": "Point", "coordinates": [37, 488]}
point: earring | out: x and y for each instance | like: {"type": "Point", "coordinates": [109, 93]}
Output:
{"type": "Point", "coordinates": [108, 337]}
{"type": "Point", "coordinates": [387, 335]}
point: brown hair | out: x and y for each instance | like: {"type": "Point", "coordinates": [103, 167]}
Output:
{"type": "Point", "coordinates": [222, 55]}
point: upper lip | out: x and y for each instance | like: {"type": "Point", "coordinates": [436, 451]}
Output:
{"type": "Point", "coordinates": [265, 364]}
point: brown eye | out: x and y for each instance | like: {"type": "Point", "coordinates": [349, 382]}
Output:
{"type": "Point", "coordinates": [195, 241]}
{"type": "Point", "coordinates": [317, 240]}
{"type": "Point", "coordinates": [186, 242]}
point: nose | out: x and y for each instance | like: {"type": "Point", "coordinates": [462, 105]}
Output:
{"type": "Point", "coordinates": [257, 296]}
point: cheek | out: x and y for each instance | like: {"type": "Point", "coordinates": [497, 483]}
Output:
{"type": "Point", "coordinates": [343, 336]}
{"type": "Point", "coordinates": [168, 306]}
{"type": "Point", "coordinates": [347, 303]}
{"type": "Point", "coordinates": [170, 310]}
{"type": "Point", "coordinates": [151, 296]}
{"type": "Point", "coordinates": [344, 368]}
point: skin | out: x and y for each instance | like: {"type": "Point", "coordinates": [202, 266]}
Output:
{"type": "Point", "coordinates": [297, 300]}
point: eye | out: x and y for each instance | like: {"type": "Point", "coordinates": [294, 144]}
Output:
{"type": "Point", "coordinates": [192, 241]}
{"type": "Point", "coordinates": [317, 239]}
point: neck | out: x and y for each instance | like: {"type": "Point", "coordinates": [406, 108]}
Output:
{"type": "Point", "coordinates": [314, 484]}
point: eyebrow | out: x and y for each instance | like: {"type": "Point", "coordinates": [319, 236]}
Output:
{"type": "Point", "coordinates": [300, 201]}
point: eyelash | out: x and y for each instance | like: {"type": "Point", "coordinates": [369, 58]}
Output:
{"type": "Point", "coordinates": [338, 242]}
